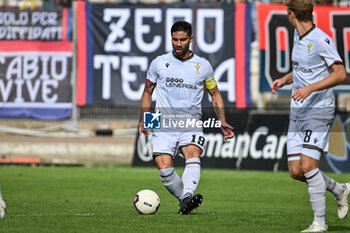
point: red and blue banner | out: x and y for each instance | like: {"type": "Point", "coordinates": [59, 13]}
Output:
{"type": "Point", "coordinates": [276, 40]}
{"type": "Point", "coordinates": [35, 64]}
{"type": "Point", "coordinates": [242, 43]}
{"type": "Point", "coordinates": [117, 42]}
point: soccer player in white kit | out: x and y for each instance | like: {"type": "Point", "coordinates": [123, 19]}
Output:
{"type": "Point", "coordinates": [317, 67]}
{"type": "Point", "coordinates": [179, 78]}
{"type": "Point", "coordinates": [2, 206]}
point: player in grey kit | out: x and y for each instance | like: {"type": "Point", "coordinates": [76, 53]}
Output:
{"type": "Point", "coordinates": [2, 206]}
{"type": "Point", "coordinates": [179, 78]}
{"type": "Point", "coordinates": [317, 67]}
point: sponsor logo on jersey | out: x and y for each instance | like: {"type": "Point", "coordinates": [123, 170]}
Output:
{"type": "Point", "coordinates": [152, 120]}
{"type": "Point", "coordinates": [300, 69]}
{"type": "Point", "coordinates": [309, 47]}
{"type": "Point", "coordinates": [167, 65]}
{"type": "Point", "coordinates": [197, 68]}
{"type": "Point", "coordinates": [178, 82]}
{"type": "Point", "coordinates": [328, 41]}
{"type": "Point", "coordinates": [303, 70]}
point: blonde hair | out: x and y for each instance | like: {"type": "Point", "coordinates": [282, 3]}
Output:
{"type": "Point", "coordinates": [302, 9]}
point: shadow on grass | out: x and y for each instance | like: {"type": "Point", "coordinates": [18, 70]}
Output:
{"type": "Point", "coordinates": [338, 228]}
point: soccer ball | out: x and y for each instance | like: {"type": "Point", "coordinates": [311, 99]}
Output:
{"type": "Point", "coordinates": [146, 202]}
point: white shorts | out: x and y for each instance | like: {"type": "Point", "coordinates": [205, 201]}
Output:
{"type": "Point", "coordinates": [308, 137]}
{"type": "Point", "coordinates": [170, 143]}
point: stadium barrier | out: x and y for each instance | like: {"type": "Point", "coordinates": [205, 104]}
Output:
{"type": "Point", "coordinates": [259, 144]}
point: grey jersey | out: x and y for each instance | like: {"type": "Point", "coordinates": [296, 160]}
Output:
{"type": "Point", "coordinates": [180, 84]}
{"type": "Point", "coordinates": [312, 56]}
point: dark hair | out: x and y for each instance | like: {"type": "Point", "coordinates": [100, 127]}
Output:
{"type": "Point", "coordinates": [182, 26]}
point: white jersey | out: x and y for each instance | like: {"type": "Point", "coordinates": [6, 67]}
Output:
{"type": "Point", "coordinates": [180, 84]}
{"type": "Point", "coordinates": [313, 55]}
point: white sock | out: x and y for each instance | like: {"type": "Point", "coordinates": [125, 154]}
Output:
{"type": "Point", "coordinates": [171, 181]}
{"type": "Point", "coordinates": [191, 176]}
{"type": "Point", "coordinates": [317, 193]}
{"type": "Point", "coordinates": [334, 187]}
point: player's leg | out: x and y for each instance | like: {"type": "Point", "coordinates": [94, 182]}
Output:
{"type": "Point", "coordinates": [341, 191]}
{"type": "Point", "coordinates": [334, 187]}
{"type": "Point", "coordinates": [295, 170]}
{"type": "Point", "coordinates": [164, 147]}
{"type": "Point", "coordinates": [171, 180]}
{"type": "Point", "coordinates": [314, 143]}
{"type": "Point", "coordinates": [190, 179]}
{"type": "Point", "coordinates": [2, 206]}
{"type": "Point", "coordinates": [317, 192]}
{"type": "Point", "coordinates": [294, 147]}
{"type": "Point", "coordinates": [191, 146]}
{"type": "Point", "coordinates": [192, 172]}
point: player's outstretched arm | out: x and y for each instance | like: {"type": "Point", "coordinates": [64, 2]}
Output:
{"type": "Point", "coordinates": [146, 102]}
{"type": "Point", "coordinates": [218, 104]}
{"type": "Point", "coordinates": [279, 83]}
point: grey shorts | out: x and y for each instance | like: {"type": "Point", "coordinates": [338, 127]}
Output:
{"type": "Point", "coordinates": [308, 137]}
{"type": "Point", "coordinates": [170, 143]}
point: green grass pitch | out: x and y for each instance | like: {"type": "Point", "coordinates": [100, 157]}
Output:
{"type": "Point", "coordinates": [99, 199]}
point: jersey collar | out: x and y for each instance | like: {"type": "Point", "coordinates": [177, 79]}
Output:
{"type": "Point", "coordinates": [306, 33]}
{"type": "Point", "coordinates": [186, 59]}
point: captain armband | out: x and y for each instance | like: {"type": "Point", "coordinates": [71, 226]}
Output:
{"type": "Point", "coordinates": [210, 83]}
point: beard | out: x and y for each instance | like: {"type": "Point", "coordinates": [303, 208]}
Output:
{"type": "Point", "coordinates": [183, 51]}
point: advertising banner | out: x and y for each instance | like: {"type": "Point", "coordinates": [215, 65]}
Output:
{"type": "Point", "coordinates": [32, 25]}
{"type": "Point", "coordinates": [35, 65]}
{"type": "Point", "coordinates": [117, 42]}
{"type": "Point", "coordinates": [276, 40]}
{"type": "Point", "coordinates": [259, 144]}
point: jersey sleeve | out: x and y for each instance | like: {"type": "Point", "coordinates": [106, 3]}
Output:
{"type": "Point", "coordinates": [152, 74]}
{"type": "Point", "coordinates": [328, 51]}
{"type": "Point", "coordinates": [209, 80]}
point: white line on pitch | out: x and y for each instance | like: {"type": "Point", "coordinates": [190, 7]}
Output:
{"type": "Point", "coordinates": [265, 213]}
{"type": "Point", "coordinates": [45, 215]}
